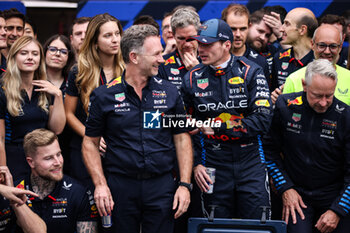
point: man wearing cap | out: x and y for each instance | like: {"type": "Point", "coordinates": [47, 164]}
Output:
{"type": "Point", "coordinates": [234, 91]}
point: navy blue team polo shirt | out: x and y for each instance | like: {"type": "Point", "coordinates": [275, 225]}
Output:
{"type": "Point", "coordinates": [3, 64]}
{"type": "Point", "coordinates": [132, 128]}
{"type": "Point", "coordinates": [68, 204]}
{"type": "Point", "coordinates": [172, 69]}
{"type": "Point", "coordinates": [73, 90]}
{"type": "Point", "coordinates": [284, 63]}
{"type": "Point", "coordinates": [32, 117]}
{"type": "Point", "coordinates": [6, 216]}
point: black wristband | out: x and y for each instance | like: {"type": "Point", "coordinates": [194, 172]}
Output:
{"type": "Point", "coordinates": [189, 186]}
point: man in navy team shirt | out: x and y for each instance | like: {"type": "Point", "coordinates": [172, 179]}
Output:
{"type": "Point", "coordinates": [62, 202]}
{"type": "Point", "coordinates": [134, 181]}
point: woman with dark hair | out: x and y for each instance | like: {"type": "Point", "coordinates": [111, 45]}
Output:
{"type": "Point", "coordinates": [26, 103]}
{"type": "Point", "coordinates": [99, 62]}
{"type": "Point", "coordinates": [59, 58]}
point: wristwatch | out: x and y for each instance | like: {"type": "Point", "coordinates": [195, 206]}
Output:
{"type": "Point", "coordinates": [189, 186]}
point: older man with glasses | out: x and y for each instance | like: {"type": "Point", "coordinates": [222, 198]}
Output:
{"type": "Point", "coordinates": [326, 44]}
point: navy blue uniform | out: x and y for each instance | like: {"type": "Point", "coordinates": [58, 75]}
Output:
{"type": "Point", "coordinates": [254, 56]}
{"type": "Point", "coordinates": [343, 57]}
{"type": "Point", "coordinates": [3, 64]}
{"type": "Point", "coordinates": [173, 69]}
{"type": "Point", "coordinates": [32, 117]}
{"type": "Point", "coordinates": [65, 137]}
{"type": "Point", "coordinates": [268, 54]}
{"type": "Point", "coordinates": [284, 63]}
{"type": "Point", "coordinates": [68, 204]}
{"type": "Point", "coordinates": [238, 96]}
{"type": "Point", "coordinates": [316, 149]}
{"type": "Point", "coordinates": [6, 216]}
{"type": "Point", "coordinates": [77, 167]}
{"type": "Point", "coordinates": [140, 153]}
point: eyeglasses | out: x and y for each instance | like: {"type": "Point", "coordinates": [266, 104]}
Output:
{"type": "Point", "coordinates": [53, 50]}
{"type": "Point", "coordinates": [323, 46]}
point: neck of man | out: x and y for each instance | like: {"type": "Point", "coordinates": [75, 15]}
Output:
{"type": "Point", "coordinates": [302, 48]}
{"type": "Point", "coordinates": [42, 187]}
{"type": "Point", "coordinates": [5, 51]}
{"type": "Point", "coordinates": [239, 51]}
{"type": "Point", "coordinates": [135, 78]}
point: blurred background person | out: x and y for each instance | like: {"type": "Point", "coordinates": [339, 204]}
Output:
{"type": "Point", "coordinates": [338, 22]}
{"type": "Point", "coordinates": [30, 28]}
{"type": "Point", "coordinates": [3, 43]}
{"type": "Point", "coordinates": [184, 24]}
{"type": "Point", "coordinates": [78, 32]}
{"type": "Point", "coordinates": [27, 102]}
{"type": "Point", "coordinates": [237, 17]}
{"type": "Point", "coordinates": [14, 27]}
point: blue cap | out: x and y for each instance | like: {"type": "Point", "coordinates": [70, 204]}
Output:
{"type": "Point", "coordinates": [214, 30]}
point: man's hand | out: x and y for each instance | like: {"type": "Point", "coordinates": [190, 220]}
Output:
{"type": "Point", "coordinates": [327, 222]}
{"type": "Point", "coordinates": [202, 178]}
{"type": "Point", "coordinates": [274, 22]}
{"type": "Point", "coordinates": [207, 130]}
{"type": "Point", "coordinates": [190, 60]}
{"type": "Point", "coordinates": [276, 93]}
{"type": "Point", "coordinates": [181, 201]}
{"type": "Point", "coordinates": [292, 201]}
{"type": "Point", "coordinates": [103, 200]}
{"type": "Point", "coordinates": [102, 147]}
{"type": "Point", "coordinates": [170, 46]}
{"type": "Point", "coordinates": [15, 195]}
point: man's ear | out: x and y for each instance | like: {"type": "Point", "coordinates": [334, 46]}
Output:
{"type": "Point", "coordinates": [133, 57]}
{"type": "Point", "coordinates": [303, 30]}
{"type": "Point", "coordinates": [30, 161]}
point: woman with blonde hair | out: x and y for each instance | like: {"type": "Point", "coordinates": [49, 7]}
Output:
{"type": "Point", "coordinates": [27, 102]}
{"type": "Point", "coordinates": [99, 62]}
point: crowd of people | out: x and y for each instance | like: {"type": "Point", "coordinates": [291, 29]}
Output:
{"type": "Point", "coordinates": [108, 130]}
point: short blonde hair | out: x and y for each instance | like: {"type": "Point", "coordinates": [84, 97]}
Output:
{"type": "Point", "coordinates": [37, 138]}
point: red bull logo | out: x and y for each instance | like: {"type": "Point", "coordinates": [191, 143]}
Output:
{"type": "Point", "coordinates": [21, 185]}
{"type": "Point", "coordinates": [219, 73]}
{"type": "Point", "coordinates": [296, 101]}
{"type": "Point", "coordinates": [232, 121]}
{"type": "Point", "coordinates": [285, 54]}
{"type": "Point", "coordinates": [170, 60]}
{"type": "Point", "coordinates": [115, 82]}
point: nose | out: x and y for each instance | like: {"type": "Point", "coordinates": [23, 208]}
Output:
{"type": "Point", "coordinates": [323, 102]}
{"type": "Point", "coordinates": [237, 33]}
{"type": "Point", "coordinates": [160, 58]}
{"type": "Point", "coordinates": [282, 28]}
{"type": "Point", "coordinates": [83, 36]}
{"type": "Point", "coordinates": [327, 50]}
{"type": "Point", "coordinates": [58, 160]}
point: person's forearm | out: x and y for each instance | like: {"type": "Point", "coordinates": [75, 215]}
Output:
{"type": "Point", "coordinates": [28, 220]}
{"type": "Point", "coordinates": [184, 156]}
{"type": "Point", "coordinates": [92, 160]}
{"type": "Point", "coordinates": [57, 119]}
